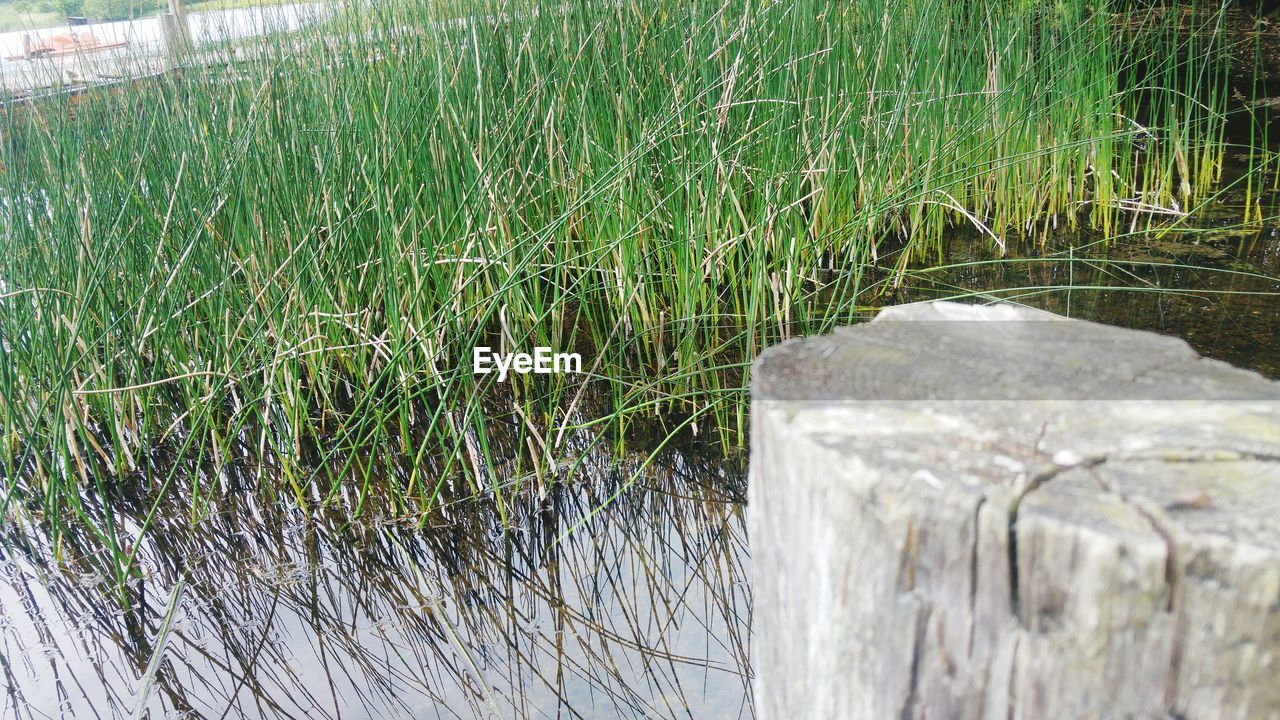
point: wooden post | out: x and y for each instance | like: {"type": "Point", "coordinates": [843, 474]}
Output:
{"type": "Point", "coordinates": [177, 31]}
{"type": "Point", "coordinates": [993, 512]}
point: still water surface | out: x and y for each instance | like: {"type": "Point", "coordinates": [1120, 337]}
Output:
{"type": "Point", "coordinates": [640, 609]}
{"type": "Point", "coordinates": [144, 45]}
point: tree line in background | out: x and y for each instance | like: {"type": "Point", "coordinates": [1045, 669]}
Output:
{"type": "Point", "coordinates": [96, 9]}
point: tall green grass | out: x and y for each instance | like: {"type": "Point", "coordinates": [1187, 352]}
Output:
{"type": "Point", "coordinates": [294, 255]}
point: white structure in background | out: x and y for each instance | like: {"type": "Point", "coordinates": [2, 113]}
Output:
{"type": "Point", "coordinates": [137, 47]}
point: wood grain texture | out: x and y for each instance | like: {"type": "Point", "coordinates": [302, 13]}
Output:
{"type": "Point", "coordinates": [963, 512]}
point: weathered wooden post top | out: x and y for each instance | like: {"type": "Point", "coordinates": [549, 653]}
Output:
{"type": "Point", "coordinates": [993, 512]}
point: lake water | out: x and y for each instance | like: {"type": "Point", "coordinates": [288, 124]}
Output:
{"type": "Point", "coordinates": [145, 43]}
{"type": "Point", "coordinates": [623, 595]}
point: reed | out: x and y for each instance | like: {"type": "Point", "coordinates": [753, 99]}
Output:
{"type": "Point", "coordinates": [290, 248]}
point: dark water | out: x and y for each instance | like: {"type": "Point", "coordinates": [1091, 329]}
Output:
{"type": "Point", "coordinates": [1214, 283]}
{"type": "Point", "coordinates": [622, 594]}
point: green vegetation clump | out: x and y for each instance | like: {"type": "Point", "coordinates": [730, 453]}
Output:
{"type": "Point", "coordinates": [96, 9]}
{"type": "Point", "coordinates": [293, 256]}
{"type": "Point", "coordinates": [15, 16]}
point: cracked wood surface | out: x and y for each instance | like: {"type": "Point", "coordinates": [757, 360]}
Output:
{"type": "Point", "coordinates": [964, 512]}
